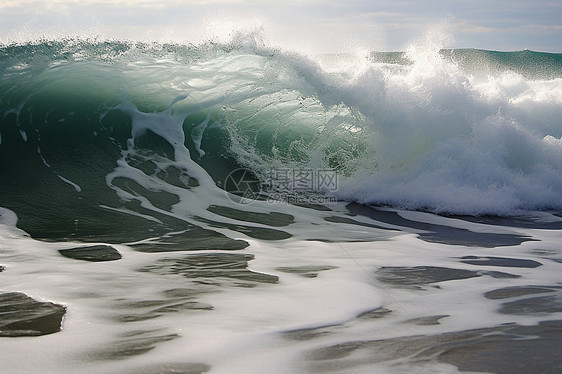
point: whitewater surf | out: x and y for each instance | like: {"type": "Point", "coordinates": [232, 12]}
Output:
{"type": "Point", "coordinates": [231, 207]}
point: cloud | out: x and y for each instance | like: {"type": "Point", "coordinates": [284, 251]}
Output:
{"type": "Point", "coordinates": [543, 29]}
{"type": "Point", "coordinates": [333, 24]}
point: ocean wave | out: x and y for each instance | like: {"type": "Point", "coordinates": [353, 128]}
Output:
{"type": "Point", "coordinates": [467, 132]}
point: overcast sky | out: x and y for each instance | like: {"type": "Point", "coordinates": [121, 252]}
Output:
{"type": "Point", "coordinates": [319, 25]}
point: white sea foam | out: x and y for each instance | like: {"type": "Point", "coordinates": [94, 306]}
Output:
{"type": "Point", "coordinates": [244, 331]}
{"type": "Point", "coordinates": [434, 136]}
{"type": "Point", "coordinates": [67, 181]}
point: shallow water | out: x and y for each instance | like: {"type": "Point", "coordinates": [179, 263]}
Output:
{"type": "Point", "coordinates": [362, 298]}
